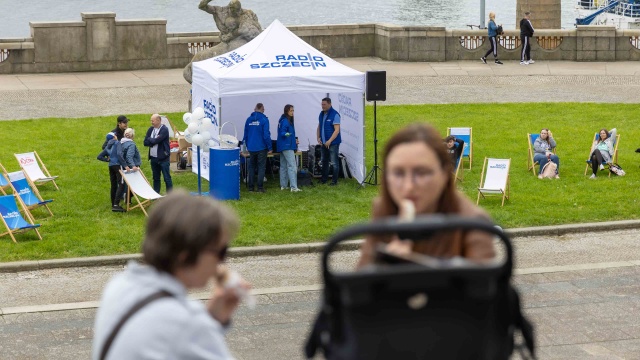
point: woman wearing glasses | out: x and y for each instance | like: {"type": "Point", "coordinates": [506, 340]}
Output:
{"type": "Point", "coordinates": [186, 241]}
{"type": "Point", "coordinates": [419, 177]}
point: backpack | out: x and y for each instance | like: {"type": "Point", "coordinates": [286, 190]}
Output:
{"type": "Point", "coordinates": [616, 169]}
{"type": "Point", "coordinates": [549, 170]}
{"type": "Point", "coordinates": [499, 30]}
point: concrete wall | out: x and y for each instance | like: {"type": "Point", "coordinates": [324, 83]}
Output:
{"type": "Point", "coordinates": [99, 42]}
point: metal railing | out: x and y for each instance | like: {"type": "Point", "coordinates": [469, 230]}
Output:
{"type": "Point", "coordinates": [471, 42]}
{"type": "Point", "coordinates": [194, 48]}
{"type": "Point", "coordinates": [549, 42]}
{"type": "Point", "coordinates": [635, 41]}
{"type": "Point", "coordinates": [509, 42]}
{"type": "Point", "coordinates": [4, 54]}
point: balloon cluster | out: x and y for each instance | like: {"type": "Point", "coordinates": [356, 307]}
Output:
{"type": "Point", "coordinates": [198, 127]}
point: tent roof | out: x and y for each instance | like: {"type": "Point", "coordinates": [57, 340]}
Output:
{"type": "Point", "coordinates": [275, 61]}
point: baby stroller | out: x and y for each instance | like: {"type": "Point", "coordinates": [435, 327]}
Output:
{"type": "Point", "coordinates": [440, 309]}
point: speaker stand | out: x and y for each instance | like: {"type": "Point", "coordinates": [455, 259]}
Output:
{"type": "Point", "coordinates": [372, 176]}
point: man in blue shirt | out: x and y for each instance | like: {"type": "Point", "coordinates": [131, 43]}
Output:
{"type": "Point", "coordinates": [329, 136]}
{"type": "Point", "coordinates": [257, 138]}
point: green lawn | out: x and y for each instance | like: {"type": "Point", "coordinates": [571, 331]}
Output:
{"type": "Point", "coordinates": [83, 224]}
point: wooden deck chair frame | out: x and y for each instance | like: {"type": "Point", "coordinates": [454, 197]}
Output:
{"type": "Point", "coordinates": [459, 175]}
{"type": "Point", "coordinates": [141, 204]}
{"type": "Point", "coordinates": [36, 192]}
{"type": "Point", "coordinates": [503, 193]}
{"type": "Point", "coordinates": [531, 165]}
{"type": "Point", "coordinates": [29, 219]}
{"type": "Point", "coordinates": [614, 158]}
{"type": "Point", "coordinates": [469, 144]}
{"type": "Point", "coordinates": [3, 174]}
{"type": "Point", "coordinates": [44, 171]}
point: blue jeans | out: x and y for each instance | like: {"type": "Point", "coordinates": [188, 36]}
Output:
{"type": "Point", "coordinates": [257, 159]}
{"type": "Point", "coordinates": [158, 167]}
{"type": "Point", "coordinates": [333, 153]}
{"type": "Point", "coordinates": [288, 169]}
{"type": "Point", "coordinates": [542, 160]}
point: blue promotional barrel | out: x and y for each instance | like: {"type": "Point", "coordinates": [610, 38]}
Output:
{"type": "Point", "coordinates": [224, 173]}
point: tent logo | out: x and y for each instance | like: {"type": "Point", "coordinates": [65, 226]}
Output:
{"type": "Point", "coordinates": [289, 61]}
{"type": "Point", "coordinates": [210, 111]}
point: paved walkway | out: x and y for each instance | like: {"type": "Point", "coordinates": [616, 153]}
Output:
{"type": "Point", "coordinates": [148, 91]}
{"type": "Point", "coordinates": [584, 298]}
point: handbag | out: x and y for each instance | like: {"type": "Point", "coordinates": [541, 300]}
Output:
{"type": "Point", "coordinates": [616, 169]}
{"type": "Point", "coordinates": [229, 141]}
{"type": "Point", "coordinates": [549, 170]}
{"type": "Point", "coordinates": [453, 310]}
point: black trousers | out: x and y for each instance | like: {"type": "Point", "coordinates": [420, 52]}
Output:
{"type": "Point", "coordinates": [494, 47]}
{"type": "Point", "coordinates": [117, 184]}
{"type": "Point", "coordinates": [596, 160]}
{"type": "Point", "coordinates": [526, 48]}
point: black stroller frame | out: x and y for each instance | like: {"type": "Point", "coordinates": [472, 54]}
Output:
{"type": "Point", "coordinates": [456, 310]}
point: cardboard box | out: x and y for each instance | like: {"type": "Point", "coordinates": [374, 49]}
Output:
{"type": "Point", "coordinates": [174, 156]}
{"type": "Point", "coordinates": [183, 143]}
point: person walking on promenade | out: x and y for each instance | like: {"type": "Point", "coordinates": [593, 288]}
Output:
{"type": "Point", "coordinates": [287, 145]}
{"type": "Point", "coordinates": [526, 32]}
{"type": "Point", "coordinates": [493, 39]}
{"type": "Point", "coordinates": [328, 133]}
{"type": "Point", "coordinates": [157, 139]}
{"type": "Point", "coordinates": [145, 311]}
{"type": "Point", "coordinates": [257, 139]}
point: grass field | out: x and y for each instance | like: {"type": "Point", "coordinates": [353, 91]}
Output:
{"type": "Point", "coordinates": [83, 224]}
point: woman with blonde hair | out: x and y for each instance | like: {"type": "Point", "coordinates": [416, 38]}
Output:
{"type": "Point", "coordinates": [419, 173]}
{"type": "Point", "coordinates": [493, 39]}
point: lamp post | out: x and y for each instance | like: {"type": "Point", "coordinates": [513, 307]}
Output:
{"type": "Point", "coordinates": [482, 14]}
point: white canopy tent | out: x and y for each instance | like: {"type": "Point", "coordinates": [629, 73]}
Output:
{"type": "Point", "coordinates": [278, 68]}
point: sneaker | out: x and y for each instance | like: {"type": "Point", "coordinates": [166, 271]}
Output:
{"type": "Point", "coordinates": [282, 187]}
{"type": "Point", "coordinates": [261, 190]}
{"type": "Point", "coordinates": [333, 184]}
{"type": "Point", "coordinates": [117, 208]}
{"type": "Point", "coordinates": [601, 167]}
{"type": "Point", "coordinates": [531, 61]}
{"type": "Point", "coordinates": [252, 189]}
{"type": "Point", "coordinates": [557, 176]}
{"type": "Point", "coordinates": [265, 179]}
{"type": "Point", "coordinates": [524, 63]}
{"type": "Point", "coordinates": [498, 62]}
{"type": "Point", "coordinates": [295, 190]}
{"type": "Point", "coordinates": [540, 176]}
{"type": "Point", "coordinates": [593, 176]}
{"type": "Point", "coordinates": [484, 59]}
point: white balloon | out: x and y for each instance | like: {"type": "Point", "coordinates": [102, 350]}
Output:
{"type": "Point", "coordinates": [197, 114]}
{"type": "Point", "coordinates": [205, 147]}
{"type": "Point", "coordinates": [193, 127]}
{"type": "Point", "coordinates": [188, 137]}
{"type": "Point", "coordinates": [212, 143]}
{"type": "Point", "coordinates": [186, 118]}
{"type": "Point", "coordinates": [197, 139]}
{"type": "Point", "coordinates": [206, 124]}
{"type": "Point", "coordinates": [205, 135]}
{"type": "Point", "coordinates": [186, 131]}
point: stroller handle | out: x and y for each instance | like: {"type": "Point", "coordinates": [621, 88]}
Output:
{"type": "Point", "coordinates": [426, 223]}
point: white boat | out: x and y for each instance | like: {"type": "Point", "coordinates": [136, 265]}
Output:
{"type": "Point", "coordinates": [623, 14]}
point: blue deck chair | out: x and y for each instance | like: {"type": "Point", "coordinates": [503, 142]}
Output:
{"type": "Point", "coordinates": [466, 134]}
{"type": "Point", "coordinates": [531, 165]}
{"type": "Point", "coordinates": [614, 158]}
{"type": "Point", "coordinates": [4, 180]}
{"type": "Point", "coordinates": [30, 196]}
{"type": "Point", "coordinates": [13, 220]}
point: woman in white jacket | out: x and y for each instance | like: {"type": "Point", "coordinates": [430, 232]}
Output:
{"type": "Point", "coordinates": [602, 150]}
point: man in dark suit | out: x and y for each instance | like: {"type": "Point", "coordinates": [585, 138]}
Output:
{"type": "Point", "coordinates": [157, 139]}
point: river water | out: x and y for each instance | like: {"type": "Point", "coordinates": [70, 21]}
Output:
{"type": "Point", "coordinates": [184, 15]}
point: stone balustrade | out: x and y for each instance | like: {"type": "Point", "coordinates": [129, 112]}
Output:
{"type": "Point", "coordinates": [100, 42]}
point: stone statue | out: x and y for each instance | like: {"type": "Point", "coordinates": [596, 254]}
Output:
{"type": "Point", "coordinates": [237, 27]}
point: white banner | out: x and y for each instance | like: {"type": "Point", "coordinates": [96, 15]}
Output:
{"type": "Point", "coordinates": [204, 162]}
{"type": "Point", "coordinates": [351, 107]}
{"type": "Point", "coordinates": [202, 97]}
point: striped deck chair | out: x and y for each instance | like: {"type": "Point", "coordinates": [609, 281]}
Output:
{"type": "Point", "coordinates": [466, 134]}
{"type": "Point", "coordinates": [140, 188]}
{"type": "Point", "coordinates": [614, 158]}
{"type": "Point", "coordinates": [33, 167]}
{"type": "Point", "coordinates": [494, 179]}
{"type": "Point", "coordinates": [4, 180]}
{"type": "Point", "coordinates": [30, 195]}
{"type": "Point", "coordinates": [13, 220]}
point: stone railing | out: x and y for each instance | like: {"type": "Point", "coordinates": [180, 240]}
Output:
{"type": "Point", "coordinates": [100, 42]}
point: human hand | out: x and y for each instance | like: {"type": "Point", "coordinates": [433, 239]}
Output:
{"type": "Point", "coordinates": [270, 152]}
{"type": "Point", "coordinates": [135, 168]}
{"type": "Point", "coordinates": [550, 134]}
{"type": "Point", "coordinates": [230, 288]}
{"type": "Point", "coordinates": [127, 169]}
{"type": "Point", "coordinates": [328, 143]}
{"type": "Point", "coordinates": [319, 141]}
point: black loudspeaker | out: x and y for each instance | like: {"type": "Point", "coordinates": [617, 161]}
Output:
{"type": "Point", "coordinates": [376, 85]}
